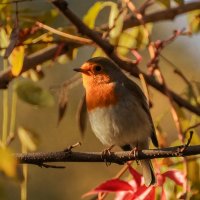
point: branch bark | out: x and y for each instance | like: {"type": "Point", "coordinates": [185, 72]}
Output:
{"type": "Point", "coordinates": [117, 157]}
{"type": "Point", "coordinates": [168, 14]}
{"type": "Point", "coordinates": [31, 61]}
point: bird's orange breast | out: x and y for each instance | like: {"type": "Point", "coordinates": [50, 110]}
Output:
{"type": "Point", "coordinates": [102, 95]}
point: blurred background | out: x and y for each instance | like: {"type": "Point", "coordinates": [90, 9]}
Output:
{"type": "Point", "coordinates": [78, 178]}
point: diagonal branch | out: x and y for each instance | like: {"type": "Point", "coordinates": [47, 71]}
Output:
{"type": "Point", "coordinates": [33, 60]}
{"type": "Point", "coordinates": [124, 64]}
{"type": "Point", "coordinates": [117, 157]}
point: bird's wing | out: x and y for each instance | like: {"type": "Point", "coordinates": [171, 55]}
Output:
{"type": "Point", "coordinates": [137, 92]}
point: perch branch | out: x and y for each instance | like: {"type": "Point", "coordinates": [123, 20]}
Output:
{"type": "Point", "coordinates": [115, 157]}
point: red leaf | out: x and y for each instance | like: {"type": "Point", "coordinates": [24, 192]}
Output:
{"type": "Point", "coordinates": [124, 196]}
{"type": "Point", "coordinates": [127, 195]}
{"type": "Point", "coordinates": [113, 185]}
{"type": "Point", "coordinates": [145, 193]}
{"type": "Point", "coordinates": [136, 176]}
{"type": "Point", "coordinates": [163, 195]}
{"type": "Point", "coordinates": [160, 179]}
{"type": "Point", "coordinates": [175, 175]}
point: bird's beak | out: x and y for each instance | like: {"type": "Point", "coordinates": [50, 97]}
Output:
{"type": "Point", "coordinates": [84, 71]}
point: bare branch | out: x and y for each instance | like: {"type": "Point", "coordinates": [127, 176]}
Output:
{"type": "Point", "coordinates": [168, 14]}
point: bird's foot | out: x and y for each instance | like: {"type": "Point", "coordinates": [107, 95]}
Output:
{"type": "Point", "coordinates": [133, 153]}
{"type": "Point", "coordinates": [105, 153]}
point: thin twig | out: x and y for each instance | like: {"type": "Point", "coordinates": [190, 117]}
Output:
{"type": "Point", "coordinates": [75, 38]}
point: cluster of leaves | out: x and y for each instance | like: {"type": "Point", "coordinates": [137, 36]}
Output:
{"type": "Point", "coordinates": [136, 189]}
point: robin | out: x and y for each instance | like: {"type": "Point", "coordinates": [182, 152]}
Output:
{"type": "Point", "coordinates": [118, 110]}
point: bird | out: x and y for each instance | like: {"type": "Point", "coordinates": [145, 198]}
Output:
{"type": "Point", "coordinates": [118, 110]}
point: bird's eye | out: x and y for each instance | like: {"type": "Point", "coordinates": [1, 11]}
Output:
{"type": "Point", "coordinates": [97, 68]}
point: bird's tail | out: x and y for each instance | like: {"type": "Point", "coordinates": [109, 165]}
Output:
{"type": "Point", "coordinates": [148, 172]}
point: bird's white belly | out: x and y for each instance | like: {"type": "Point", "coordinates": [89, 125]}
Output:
{"type": "Point", "coordinates": [120, 124]}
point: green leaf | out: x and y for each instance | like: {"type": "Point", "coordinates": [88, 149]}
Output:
{"type": "Point", "coordinates": [133, 38]}
{"type": "Point", "coordinates": [28, 139]}
{"type": "Point", "coordinates": [194, 21]}
{"type": "Point", "coordinates": [31, 93]}
{"type": "Point", "coordinates": [166, 3]}
{"type": "Point", "coordinates": [115, 22]}
{"type": "Point", "coordinates": [127, 40]}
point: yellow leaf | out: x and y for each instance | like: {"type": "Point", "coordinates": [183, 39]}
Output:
{"type": "Point", "coordinates": [98, 52]}
{"type": "Point", "coordinates": [4, 40]}
{"type": "Point", "coordinates": [194, 21]}
{"type": "Point", "coordinates": [115, 22]}
{"type": "Point", "coordinates": [8, 162]}
{"type": "Point", "coordinates": [90, 17]}
{"type": "Point", "coordinates": [133, 38]}
{"type": "Point", "coordinates": [28, 139]}
{"type": "Point", "coordinates": [16, 60]}
{"type": "Point", "coordinates": [127, 40]}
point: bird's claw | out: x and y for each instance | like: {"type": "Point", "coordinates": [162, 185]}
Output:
{"type": "Point", "coordinates": [105, 153]}
{"type": "Point", "coordinates": [133, 153]}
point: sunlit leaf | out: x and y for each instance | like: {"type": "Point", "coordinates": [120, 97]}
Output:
{"type": "Point", "coordinates": [115, 21]}
{"type": "Point", "coordinates": [193, 171]}
{"type": "Point", "coordinates": [4, 40]}
{"type": "Point", "coordinates": [127, 40]}
{"type": "Point", "coordinates": [166, 3]}
{"type": "Point", "coordinates": [31, 93]}
{"type": "Point", "coordinates": [17, 60]}
{"type": "Point", "coordinates": [90, 17]}
{"type": "Point", "coordinates": [136, 176]}
{"type": "Point", "coordinates": [194, 21]}
{"type": "Point", "coordinates": [13, 40]}
{"type": "Point", "coordinates": [3, 4]}
{"type": "Point", "coordinates": [8, 162]}
{"type": "Point", "coordinates": [98, 52]}
{"type": "Point", "coordinates": [145, 193]}
{"type": "Point", "coordinates": [133, 38]}
{"type": "Point", "coordinates": [113, 185]}
{"type": "Point", "coordinates": [28, 139]}
{"type": "Point", "coordinates": [175, 175]}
